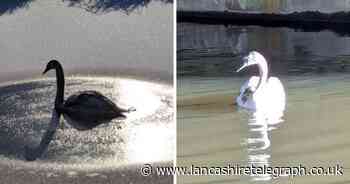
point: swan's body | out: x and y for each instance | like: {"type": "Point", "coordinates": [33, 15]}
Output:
{"type": "Point", "coordinates": [261, 93]}
{"type": "Point", "coordinates": [271, 94]}
{"type": "Point", "coordinates": [83, 110]}
{"type": "Point", "coordinates": [88, 109]}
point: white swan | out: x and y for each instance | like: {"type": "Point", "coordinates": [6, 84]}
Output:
{"type": "Point", "coordinates": [261, 94]}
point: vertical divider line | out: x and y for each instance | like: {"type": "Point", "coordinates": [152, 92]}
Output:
{"type": "Point", "coordinates": [175, 83]}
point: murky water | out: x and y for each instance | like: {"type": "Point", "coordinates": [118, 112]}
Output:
{"type": "Point", "coordinates": [212, 131]}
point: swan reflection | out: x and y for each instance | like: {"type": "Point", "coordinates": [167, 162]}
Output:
{"type": "Point", "coordinates": [258, 141]}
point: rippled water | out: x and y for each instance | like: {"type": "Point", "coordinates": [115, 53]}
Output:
{"type": "Point", "coordinates": [26, 111]}
{"type": "Point", "coordinates": [212, 131]}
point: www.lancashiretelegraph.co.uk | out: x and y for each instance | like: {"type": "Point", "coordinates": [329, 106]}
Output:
{"type": "Point", "coordinates": [250, 170]}
{"type": "Point", "coordinates": [267, 170]}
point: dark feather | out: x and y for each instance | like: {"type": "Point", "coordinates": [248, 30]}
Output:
{"type": "Point", "coordinates": [90, 109]}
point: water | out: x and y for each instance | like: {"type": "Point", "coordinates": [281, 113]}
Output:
{"type": "Point", "coordinates": [212, 131]}
{"type": "Point", "coordinates": [113, 47]}
{"type": "Point", "coordinates": [108, 43]}
{"type": "Point", "coordinates": [28, 113]}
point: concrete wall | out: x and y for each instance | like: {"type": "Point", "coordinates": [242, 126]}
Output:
{"type": "Point", "coordinates": [207, 49]}
{"type": "Point", "coordinates": [241, 39]}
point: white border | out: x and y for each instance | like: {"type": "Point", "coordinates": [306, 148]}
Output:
{"type": "Point", "coordinates": [175, 84]}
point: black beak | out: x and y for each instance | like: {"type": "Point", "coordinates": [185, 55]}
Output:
{"type": "Point", "coordinates": [47, 69]}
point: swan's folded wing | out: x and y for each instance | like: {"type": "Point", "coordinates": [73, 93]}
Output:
{"type": "Point", "coordinates": [92, 100]}
{"type": "Point", "coordinates": [277, 93]}
{"type": "Point", "coordinates": [91, 107]}
{"type": "Point", "coordinates": [252, 83]}
{"type": "Point", "coordinates": [275, 84]}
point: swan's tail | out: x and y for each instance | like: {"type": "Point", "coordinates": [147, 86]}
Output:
{"type": "Point", "coordinates": [131, 109]}
{"type": "Point", "coordinates": [123, 110]}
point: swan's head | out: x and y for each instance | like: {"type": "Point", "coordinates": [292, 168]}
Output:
{"type": "Point", "coordinates": [51, 65]}
{"type": "Point", "coordinates": [252, 58]}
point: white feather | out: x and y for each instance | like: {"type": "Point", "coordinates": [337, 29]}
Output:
{"type": "Point", "coordinates": [271, 94]}
{"type": "Point", "coordinates": [270, 97]}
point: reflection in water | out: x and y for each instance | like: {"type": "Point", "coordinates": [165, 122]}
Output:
{"type": "Point", "coordinates": [212, 130]}
{"type": "Point", "coordinates": [258, 141]}
{"type": "Point", "coordinates": [25, 114]}
{"type": "Point", "coordinates": [93, 6]}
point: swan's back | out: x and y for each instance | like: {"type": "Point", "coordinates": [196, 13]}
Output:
{"type": "Point", "coordinates": [91, 99]}
{"type": "Point", "coordinates": [87, 109]}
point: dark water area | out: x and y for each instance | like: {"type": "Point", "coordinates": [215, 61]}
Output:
{"type": "Point", "coordinates": [217, 50]}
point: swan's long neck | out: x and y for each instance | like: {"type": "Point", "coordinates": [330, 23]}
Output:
{"type": "Point", "coordinates": [60, 85]}
{"type": "Point", "coordinates": [263, 73]}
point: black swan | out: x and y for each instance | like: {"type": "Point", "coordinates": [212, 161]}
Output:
{"type": "Point", "coordinates": [83, 110]}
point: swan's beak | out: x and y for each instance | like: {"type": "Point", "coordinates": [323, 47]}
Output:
{"type": "Point", "coordinates": [241, 68]}
{"type": "Point", "coordinates": [245, 64]}
{"type": "Point", "coordinates": [47, 69]}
